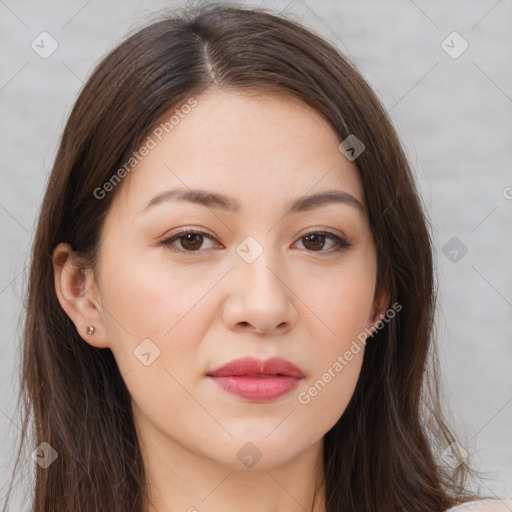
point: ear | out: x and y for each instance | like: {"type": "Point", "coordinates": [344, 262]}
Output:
{"type": "Point", "coordinates": [379, 307]}
{"type": "Point", "coordinates": [78, 296]}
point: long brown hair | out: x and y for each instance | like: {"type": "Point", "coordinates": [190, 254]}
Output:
{"type": "Point", "coordinates": [382, 454]}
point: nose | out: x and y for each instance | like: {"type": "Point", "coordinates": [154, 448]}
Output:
{"type": "Point", "coordinates": [260, 300]}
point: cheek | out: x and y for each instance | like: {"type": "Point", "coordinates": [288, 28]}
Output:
{"type": "Point", "coordinates": [175, 310]}
{"type": "Point", "coordinates": [342, 300]}
{"type": "Point", "coordinates": [325, 396]}
{"type": "Point", "coordinates": [151, 299]}
{"type": "Point", "coordinates": [343, 307]}
{"type": "Point", "coordinates": [156, 321]}
{"type": "Point", "coordinates": [335, 361]}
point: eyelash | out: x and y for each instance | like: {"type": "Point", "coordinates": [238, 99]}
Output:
{"type": "Point", "coordinates": [341, 244]}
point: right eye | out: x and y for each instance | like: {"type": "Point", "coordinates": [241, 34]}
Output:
{"type": "Point", "coordinates": [190, 241]}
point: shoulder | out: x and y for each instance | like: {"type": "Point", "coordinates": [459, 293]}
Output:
{"type": "Point", "coordinates": [484, 506]}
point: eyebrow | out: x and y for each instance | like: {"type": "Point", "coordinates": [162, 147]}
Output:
{"type": "Point", "coordinates": [224, 202]}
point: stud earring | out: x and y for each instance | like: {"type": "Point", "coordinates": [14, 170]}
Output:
{"type": "Point", "coordinates": [90, 330]}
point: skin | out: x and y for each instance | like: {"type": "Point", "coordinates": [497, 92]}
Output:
{"type": "Point", "coordinates": [205, 308]}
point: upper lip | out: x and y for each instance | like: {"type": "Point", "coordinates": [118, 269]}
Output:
{"type": "Point", "coordinates": [251, 366]}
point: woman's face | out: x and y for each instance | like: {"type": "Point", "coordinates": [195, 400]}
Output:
{"type": "Point", "coordinates": [239, 171]}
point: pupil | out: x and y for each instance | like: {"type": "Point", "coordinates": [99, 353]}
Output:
{"type": "Point", "coordinates": [189, 239]}
{"type": "Point", "coordinates": [317, 237]}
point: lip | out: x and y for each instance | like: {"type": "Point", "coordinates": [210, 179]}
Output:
{"type": "Point", "coordinates": [258, 380]}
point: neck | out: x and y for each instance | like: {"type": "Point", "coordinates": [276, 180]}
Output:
{"type": "Point", "coordinates": [181, 480]}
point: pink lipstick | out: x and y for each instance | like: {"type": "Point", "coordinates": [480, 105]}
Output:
{"type": "Point", "coordinates": [258, 380]}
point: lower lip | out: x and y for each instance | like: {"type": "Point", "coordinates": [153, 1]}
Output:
{"type": "Point", "coordinates": [257, 388]}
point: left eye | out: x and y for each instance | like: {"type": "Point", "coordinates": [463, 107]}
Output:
{"type": "Point", "coordinates": [316, 238]}
{"type": "Point", "coordinates": [191, 241]}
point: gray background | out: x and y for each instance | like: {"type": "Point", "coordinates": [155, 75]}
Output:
{"type": "Point", "coordinates": [454, 117]}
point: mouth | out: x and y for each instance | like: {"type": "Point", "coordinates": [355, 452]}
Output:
{"type": "Point", "coordinates": [257, 380]}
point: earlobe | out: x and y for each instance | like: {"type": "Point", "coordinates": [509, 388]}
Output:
{"type": "Point", "coordinates": [380, 307]}
{"type": "Point", "coordinates": [77, 296]}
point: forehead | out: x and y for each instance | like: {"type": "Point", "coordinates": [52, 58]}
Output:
{"type": "Point", "coordinates": [252, 145]}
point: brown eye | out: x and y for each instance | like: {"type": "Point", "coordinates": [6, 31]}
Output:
{"type": "Point", "coordinates": [190, 241]}
{"type": "Point", "coordinates": [315, 242]}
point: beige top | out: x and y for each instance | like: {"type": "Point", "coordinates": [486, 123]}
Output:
{"type": "Point", "coordinates": [484, 506]}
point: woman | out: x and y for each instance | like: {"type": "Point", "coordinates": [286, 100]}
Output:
{"type": "Point", "coordinates": [231, 294]}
